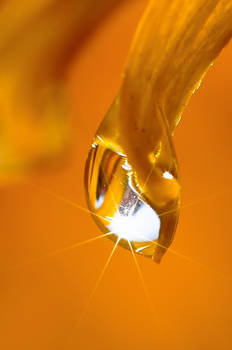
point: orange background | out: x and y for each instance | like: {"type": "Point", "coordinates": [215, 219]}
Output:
{"type": "Point", "coordinates": [41, 302]}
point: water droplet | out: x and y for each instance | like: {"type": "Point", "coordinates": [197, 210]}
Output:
{"type": "Point", "coordinates": [114, 194]}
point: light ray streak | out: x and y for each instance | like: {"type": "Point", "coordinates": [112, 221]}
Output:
{"type": "Point", "coordinates": [59, 251]}
{"type": "Point", "coordinates": [185, 257]}
{"type": "Point", "coordinates": [179, 254]}
{"type": "Point", "coordinates": [147, 179]}
{"type": "Point", "coordinates": [175, 252]}
{"type": "Point", "coordinates": [192, 203]}
{"type": "Point", "coordinates": [74, 204]}
{"type": "Point", "coordinates": [97, 284]}
{"type": "Point", "coordinates": [146, 292]}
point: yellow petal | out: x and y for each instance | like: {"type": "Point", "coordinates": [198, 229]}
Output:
{"type": "Point", "coordinates": [37, 40]}
{"type": "Point", "coordinates": [175, 44]}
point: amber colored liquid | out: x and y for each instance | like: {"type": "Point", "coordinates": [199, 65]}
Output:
{"type": "Point", "coordinates": [117, 201]}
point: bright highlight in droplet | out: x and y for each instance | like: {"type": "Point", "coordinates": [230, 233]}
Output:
{"type": "Point", "coordinates": [139, 225]}
{"type": "Point", "coordinates": [167, 175]}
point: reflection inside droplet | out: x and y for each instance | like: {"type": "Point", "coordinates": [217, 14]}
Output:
{"type": "Point", "coordinates": [135, 220]}
{"type": "Point", "coordinates": [115, 195]}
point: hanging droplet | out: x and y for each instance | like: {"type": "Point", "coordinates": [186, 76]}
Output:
{"type": "Point", "coordinates": [116, 198]}
{"type": "Point", "coordinates": [132, 180]}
